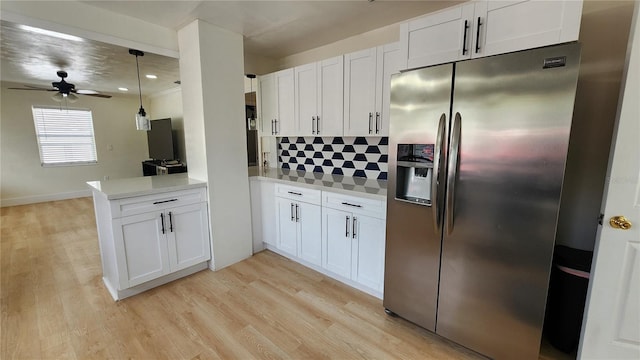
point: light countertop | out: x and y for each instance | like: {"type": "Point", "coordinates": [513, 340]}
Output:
{"type": "Point", "coordinates": [357, 186]}
{"type": "Point", "coordinates": [146, 185]}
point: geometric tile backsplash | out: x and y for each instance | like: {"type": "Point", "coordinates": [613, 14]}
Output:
{"type": "Point", "coordinates": [348, 156]}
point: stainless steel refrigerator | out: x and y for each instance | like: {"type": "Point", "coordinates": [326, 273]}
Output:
{"type": "Point", "coordinates": [477, 153]}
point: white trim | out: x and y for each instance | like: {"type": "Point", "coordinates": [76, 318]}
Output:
{"type": "Point", "coordinates": [44, 198]}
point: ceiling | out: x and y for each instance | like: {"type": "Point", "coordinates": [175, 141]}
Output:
{"type": "Point", "coordinates": [273, 29]}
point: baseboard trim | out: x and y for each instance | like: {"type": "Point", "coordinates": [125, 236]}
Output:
{"type": "Point", "coordinates": [44, 198]}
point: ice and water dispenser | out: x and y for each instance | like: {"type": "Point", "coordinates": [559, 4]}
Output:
{"type": "Point", "coordinates": [414, 173]}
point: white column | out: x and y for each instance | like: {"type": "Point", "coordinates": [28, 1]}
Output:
{"type": "Point", "coordinates": [212, 73]}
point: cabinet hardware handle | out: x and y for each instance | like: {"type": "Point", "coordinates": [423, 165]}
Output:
{"type": "Point", "coordinates": [346, 226]}
{"type": "Point", "coordinates": [318, 124]}
{"type": "Point", "coordinates": [276, 126]}
{"type": "Point", "coordinates": [370, 121]}
{"type": "Point", "coordinates": [162, 221]}
{"type": "Point", "coordinates": [272, 132]}
{"type": "Point", "coordinates": [478, 36]}
{"type": "Point", "coordinates": [297, 213]}
{"type": "Point", "coordinates": [294, 193]}
{"type": "Point", "coordinates": [170, 222]}
{"type": "Point", "coordinates": [165, 201]}
{"type": "Point", "coordinates": [377, 121]}
{"type": "Point", "coordinates": [353, 231]}
{"type": "Point", "coordinates": [464, 39]}
{"type": "Point", "coordinates": [292, 217]}
{"type": "Point", "coordinates": [354, 205]}
{"type": "Point", "coordinates": [313, 124]}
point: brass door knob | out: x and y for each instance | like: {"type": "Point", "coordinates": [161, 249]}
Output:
{"type": "Point", "coordinates": [620, 222]}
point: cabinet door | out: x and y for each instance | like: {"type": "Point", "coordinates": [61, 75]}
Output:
{"type": "Point", "coordinates": [388, 64]}
{"type": "Point", "coordinates": [141, 247]}
{"type": "Point", "coordinates": [306, 97]}
{"type": "Point", "coordinates": [368, 252]}
{"type": "Point", "coordinates": [268, 103]}
{"type": "Point", "coordinates": [336, 235]}
{"type": "Point", "coordinates": [437, 38]}
{"type": "Point", "coordinates": [359, 92]}
{"type": "Point", "coordinates": [310, 241]}
{"type": "Point", "coordinates": [507, 26]}
{"type": "Point", "coordinates": [287, 227]}
{"type": "Point", "coordinates": [330, 97]}
{"type": "Point", "coordinates": [187, 236]}
{"type": "Point", "coordinates": [285, 120]}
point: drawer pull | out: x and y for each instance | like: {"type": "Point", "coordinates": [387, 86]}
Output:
{"type": "Point", "coordinates": [354, 205]}
{"type": "Point", "coordinates": [294, 193]}
{"type": "Point", "coordinates": [165, 201]}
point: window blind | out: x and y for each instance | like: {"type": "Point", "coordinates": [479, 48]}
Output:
{"type": "Point", "coordinates": [65, 136]}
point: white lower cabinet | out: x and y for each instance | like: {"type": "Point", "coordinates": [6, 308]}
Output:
{"type": "Point", "coordinates": [342, 236]}
{"type": "Point", "coordinates": [298, 220]}
{"type": "Point", "coordinates": [146, 241]}
{"type": "Point", "coordinates": [354, 246]}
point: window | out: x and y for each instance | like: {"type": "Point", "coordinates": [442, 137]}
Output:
{"type": "Point", "coordinates": [65, 136]}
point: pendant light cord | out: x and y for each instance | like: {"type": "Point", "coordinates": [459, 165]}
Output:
{"type": "Point", "coordinates": [139, 87]}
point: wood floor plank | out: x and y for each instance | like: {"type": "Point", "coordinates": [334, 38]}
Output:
{"type": "Point", "coordinates": [53, 305]}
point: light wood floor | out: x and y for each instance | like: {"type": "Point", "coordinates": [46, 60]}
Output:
{"type": "Point", "coordinates": [54, 305]}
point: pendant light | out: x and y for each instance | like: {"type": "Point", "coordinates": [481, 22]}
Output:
{"type": "Point", "coordinates": [142, 121]}
{"type": "Point", "coordinates": [251, 121]}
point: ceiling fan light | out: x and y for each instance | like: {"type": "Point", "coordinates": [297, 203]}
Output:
{"type": "Point", "coordinates": [71, 97]}
{"type": "Point", "coordinates": [58, 97]}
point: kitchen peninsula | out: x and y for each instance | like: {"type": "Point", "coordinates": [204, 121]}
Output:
{"type": "Point", "coordinates": [151, 230]}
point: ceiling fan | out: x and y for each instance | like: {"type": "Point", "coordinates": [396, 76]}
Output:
{"type": "Point", "coordinates": [65, 89]}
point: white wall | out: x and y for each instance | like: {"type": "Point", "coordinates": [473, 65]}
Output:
{"type": "Point", "coordinates": [168, 104]}
{"type": "Point", "coordinates": [215, 135]}
{"type": "Point", "coordinates": [24, 180]}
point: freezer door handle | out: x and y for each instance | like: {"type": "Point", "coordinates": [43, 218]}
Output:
{"type": "Point", "coordinates": [454, 159]}
{"type": "Point", "coordinates": [438, 161]}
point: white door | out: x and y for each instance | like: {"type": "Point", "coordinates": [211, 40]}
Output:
{"type": "Point", "coordinates": [285, 121]}
{"type": "Point", "coordinates": [368, 259]}
{"type": "Point", "coordinates": [388, 63]}
{"type": "Point", "coordinates": [611, 328]}
{"type": "Point", "coordinates": [336, 235]}
{"type": "Point", "coordinates": [142, 244]}
{"type": "Point", "coordinates": [188, 236]}
{"type": "Point", "coordinates": [310, 241]}
{"type": "Point", "coordinates": [287, 227]}
{"type": "Point", "coordinates": [306, 97]}
{"type": "Point", "coordinates": [359, 92]}
{"type": "Point", "coordinates": [268, 104]}
{"type": "Point", "coordinates": [330, 97]}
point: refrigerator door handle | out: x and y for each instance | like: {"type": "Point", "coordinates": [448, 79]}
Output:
{"type": "Point", "coordinates": [437, 168]}
{"type": "Point", "coordinates": [454, 156]}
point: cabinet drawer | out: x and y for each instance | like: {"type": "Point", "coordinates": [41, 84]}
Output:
{"type": "Point", "coordinates": [157, 202]}
{"type": "Point", "coordinates": [355, 204]}
{"type": "Point", "coordinates": [310, 196]}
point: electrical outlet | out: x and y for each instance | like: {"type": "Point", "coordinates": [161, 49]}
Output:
{"type": "Point", "coordinates": [106, 177]}
{"type": "Point", "coordinates": [110, 147]}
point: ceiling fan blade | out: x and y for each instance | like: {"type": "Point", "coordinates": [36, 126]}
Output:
{"type": "Point", "coordinates": [33, 88]}
{"type": "Point", "coordinates": [86, 92]}
{"type": "Point", "coordinates": [38, 87]}
{"type": "Point", "coordinates": [97, 95]}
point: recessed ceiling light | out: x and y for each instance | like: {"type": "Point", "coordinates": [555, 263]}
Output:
{"type": "Point", "coordinates": [50, 33]}
{"type": "Point", "coordinates": [123, 89]}
{"type": "Point", "coordinates": [149, 76]}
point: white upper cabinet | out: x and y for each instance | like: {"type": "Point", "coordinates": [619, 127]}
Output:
{"type": "Point", "coordinates": [367, 75]}
{"type": "Point", "coordinates": [277, 103]}
{"type": "Point", "coordinates": [483, 28]}
{"type": "Point", "coordinates": [507, 26]}
{"type": "Point", "coordinates": [437, 38]}
{"type": "Point", "coordinates": [319, 98]}
{"type": "Point", "coordinates": [359, 92]}
{"type": "Point", "coordinates": [267, 103]}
